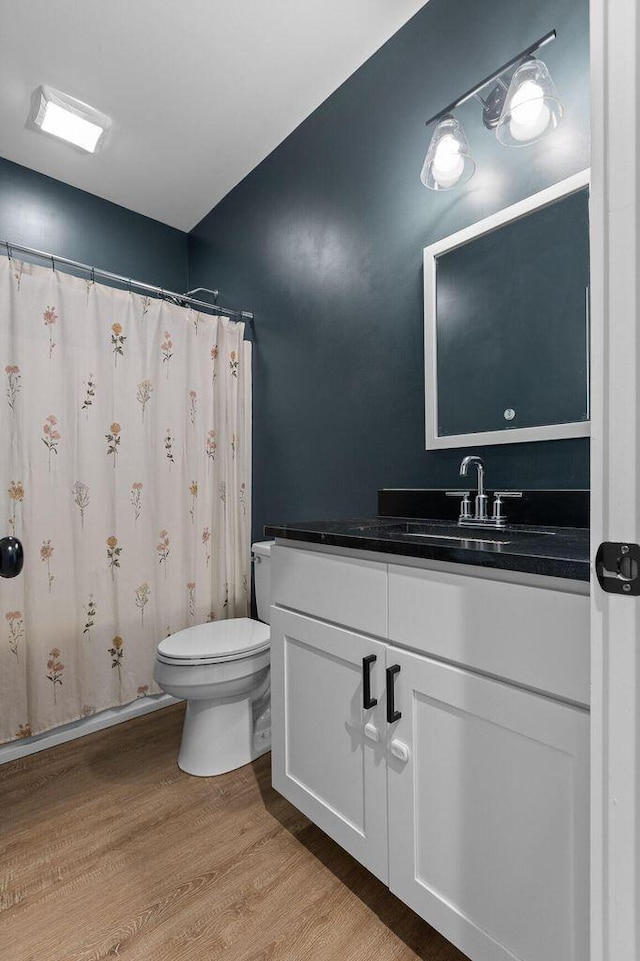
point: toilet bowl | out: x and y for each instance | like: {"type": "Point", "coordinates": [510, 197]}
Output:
{"type": "Point", "coordinates": [222, 670]}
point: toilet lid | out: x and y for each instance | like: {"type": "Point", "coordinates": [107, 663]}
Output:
{"type": "Point", "coordinates": [218, 641]}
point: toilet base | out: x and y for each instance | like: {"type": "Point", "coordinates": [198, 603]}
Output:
{"type": "Point", "coordinates": [218, 737]}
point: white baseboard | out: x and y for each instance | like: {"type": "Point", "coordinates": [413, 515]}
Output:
{"type": "Point", "coordinates": [86, 725]}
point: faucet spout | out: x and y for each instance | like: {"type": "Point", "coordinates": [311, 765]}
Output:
{"type": "Point", "coordinates": [468, 461]}
{"type": "Point", "coordinates": [481, 498]}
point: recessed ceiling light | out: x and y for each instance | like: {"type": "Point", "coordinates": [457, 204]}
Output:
{"type": "Point", "coordinates": [68, 119]}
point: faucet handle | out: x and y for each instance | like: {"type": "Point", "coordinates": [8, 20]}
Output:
{"type": "Point", "coordinates": [498, 516]}
{"type": "Point", "coordinates": [465, 503]}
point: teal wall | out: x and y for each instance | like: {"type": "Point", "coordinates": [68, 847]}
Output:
{"type": "Point", "coordinates": [40, 212]}
{"type": "Point", "coordinates": [324, 242]}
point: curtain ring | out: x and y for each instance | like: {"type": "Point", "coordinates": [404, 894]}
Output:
{"type": "Point", "coordinates": [93, 275]}
{"type": "Point", "coordinates": [53, 265]}
{"type": "Point", "coordinates": [8, 250]}
{"type": "Point", "coordinates": [129, 283]}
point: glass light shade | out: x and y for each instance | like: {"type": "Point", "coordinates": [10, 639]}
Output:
{"type": "Point", "coordinates": [532, 106]}
{"type": "Point", "coordinates": [448, 162]}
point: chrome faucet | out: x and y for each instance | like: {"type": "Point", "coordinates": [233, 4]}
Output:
{"type": "Point", "coordinates": [481, 497]}
{"type": "Point", "coordinates": [480, 516]}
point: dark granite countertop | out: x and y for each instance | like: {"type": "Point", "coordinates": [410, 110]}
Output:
{"type": "Point", "coordinates": [551, 551]}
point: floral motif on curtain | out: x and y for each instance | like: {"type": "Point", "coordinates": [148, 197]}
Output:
{"type": "Point", "coordinates": [126, 474]}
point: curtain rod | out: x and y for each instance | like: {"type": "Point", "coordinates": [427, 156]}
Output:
{"type": "Point", "coordinates": [179, 300]}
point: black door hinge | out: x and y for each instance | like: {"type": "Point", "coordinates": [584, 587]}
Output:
{"type": "Point", "coordinates": [618, 567]}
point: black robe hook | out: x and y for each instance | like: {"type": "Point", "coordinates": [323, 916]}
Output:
{"type": "Point", "coordinates": [11, 557]}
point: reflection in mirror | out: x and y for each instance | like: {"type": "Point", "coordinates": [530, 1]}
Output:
{"type": "Point", "coordinates": [507, 324]}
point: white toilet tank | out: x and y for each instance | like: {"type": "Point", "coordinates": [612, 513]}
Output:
{"type": "Point", "coordinates": [262, 577]}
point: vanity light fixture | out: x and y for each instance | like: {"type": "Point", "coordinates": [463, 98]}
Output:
{"type": "Point", "coordinates": [520, 111]}
{"type": "Point", "coordinates": [68, 119]}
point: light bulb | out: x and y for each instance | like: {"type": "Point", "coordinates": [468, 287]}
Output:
{"type": "Point", "coordinates": [448, 165]}
{"type": "Point", "coordinates": [448, 161]}
{"type": "Point", "coordinates": [530, 115]}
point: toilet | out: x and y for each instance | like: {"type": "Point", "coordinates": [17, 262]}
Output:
{"type": "Point", "coordinates": [222, 670]}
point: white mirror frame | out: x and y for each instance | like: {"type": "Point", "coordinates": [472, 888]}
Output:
{"type": "Point", "coordinates": [506, 436]}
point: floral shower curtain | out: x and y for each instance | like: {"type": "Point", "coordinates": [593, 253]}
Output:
{"type": "Point", "coordinates": [125, 472]}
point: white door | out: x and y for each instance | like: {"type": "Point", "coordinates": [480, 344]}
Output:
{"type": "Point", "coordinates": [488, 816]}
{"type": "Point", "coordinates": [328, 753]}
{"type": "Point", "coordinates": [615, 481]}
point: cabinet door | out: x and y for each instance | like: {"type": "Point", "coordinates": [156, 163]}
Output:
{"type": "Point", "coordinates": [328, 752]}
{"type": "Point", "coordinates": [488, 816]}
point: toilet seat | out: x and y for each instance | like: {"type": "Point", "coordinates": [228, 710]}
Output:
{"type": "Point", "coordinates": [213, 643]}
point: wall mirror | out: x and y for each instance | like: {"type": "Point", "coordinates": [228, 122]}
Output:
{"type": "Point", "coordinates": [507, 324]}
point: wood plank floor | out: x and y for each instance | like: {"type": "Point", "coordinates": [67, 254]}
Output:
{"type": "Point", "coordinates": [107, 850]}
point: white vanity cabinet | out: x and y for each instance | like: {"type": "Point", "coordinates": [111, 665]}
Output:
{"type": "Point", "coordinates": [325, 764]}
{"type": "Point", "coordinates": [466, 793]}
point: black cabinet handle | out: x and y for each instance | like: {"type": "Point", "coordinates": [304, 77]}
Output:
{"type": "Point", "coordinates": [392, 714]}
{"type": "Point", "coordinates": [368, 701]}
